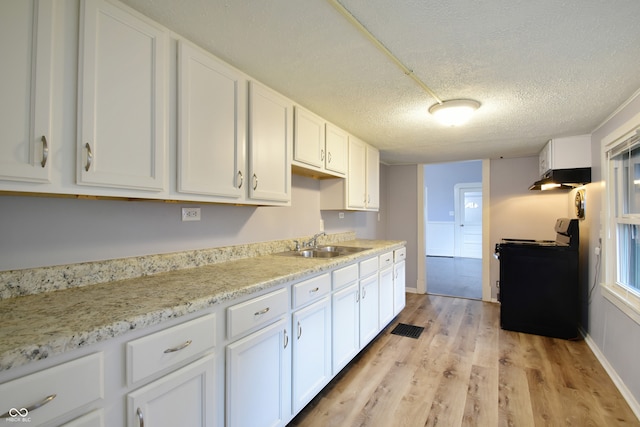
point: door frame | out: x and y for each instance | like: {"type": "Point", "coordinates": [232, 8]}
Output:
{"type": "Point", "coordinates": [422, 236]}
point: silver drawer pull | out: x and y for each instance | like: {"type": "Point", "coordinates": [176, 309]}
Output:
{"type": "Point", "coordinates": [311, 291]}
{"type": "Point", "coordinates": [45, 151]}
{"type": "Point", "coordinates": [261, 312]}
{"type": "Point", "coordinates": [23, 412]}
{"type": "Point", "coordinates": [178, 348]}
{"type": "Point", "coordinates": [87, 165]}
{"type": "Point", "coordinates": [241, 179]}
{"type": "Point", "coordinates": [140, 417]}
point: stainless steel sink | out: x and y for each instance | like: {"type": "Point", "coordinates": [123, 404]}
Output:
{"type": "Point", "coordinates": [323, 252]}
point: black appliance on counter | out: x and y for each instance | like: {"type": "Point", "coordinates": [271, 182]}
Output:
{"type": "Point", "coordinates": [539, 283]}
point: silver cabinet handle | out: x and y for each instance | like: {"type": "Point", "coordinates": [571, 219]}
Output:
{"type": "Point", "coordinates": [299, 330]}
{"type": "Point", "coordinates": [286, 339]}
{"type": "Point", "coordinates": [364, 293]}
{"type": "Point", "coordinates": [15, 412]}
{"type": "Point", "coordinates": [261, 312]}
{"type": "Point", "coordinates": [329, 156]}
{"type": "Point", "coordinates": [314, 290]}
{"type": "Point", "coordinates": [140, 417]}
{"type": "Point", "coordinates": [255, 181]}
{"type": "Point", "coordinates": [89, 157]}
{"type": "Point", "coordinates": [357, 296]}
{"type": "Point", "coordinates": [241, 179]}
{"type": "Point", "coordinates": [322, 155]}
{"type": "Point", "coordinates": [45, 150]}
{"type": "Point", "coordinates": [178, 348]}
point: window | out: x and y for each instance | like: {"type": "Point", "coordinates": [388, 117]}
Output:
{"type": "Point", "coordinates": [623, 224]}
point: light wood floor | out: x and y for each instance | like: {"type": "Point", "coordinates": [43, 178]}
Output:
{"type": "Point", "coordinates": [466, 371]}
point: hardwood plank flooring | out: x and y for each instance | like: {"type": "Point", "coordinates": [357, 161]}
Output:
{"type": "Point", "coordinates": [466, 371]}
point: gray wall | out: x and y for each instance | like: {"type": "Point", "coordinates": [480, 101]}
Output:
{"type": "Point", "coordinates": [42, 231]}
{"type": "Point", "coordinates": [440, 180]}
{"type": "Point", "coordinates": [517, 212]}
{"type": "Point", "coordinates": [615, 334]}
{"type": "Point", "coordinates": [402, 205]}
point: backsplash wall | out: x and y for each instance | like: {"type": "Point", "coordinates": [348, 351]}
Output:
{"type": "Point", "coordinates": [43, 231]}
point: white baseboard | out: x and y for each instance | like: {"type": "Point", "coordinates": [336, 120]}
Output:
{"type": "Point", "coordinates": [411, 290]}
{"type": "Point", "coordinates": [626, 394]}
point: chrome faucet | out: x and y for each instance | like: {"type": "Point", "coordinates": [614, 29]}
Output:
{"type": "Point", "coordinates": [313, 242]}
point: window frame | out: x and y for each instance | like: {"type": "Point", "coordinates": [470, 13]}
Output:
{"type": "Point", "coordinates": [624, 297]}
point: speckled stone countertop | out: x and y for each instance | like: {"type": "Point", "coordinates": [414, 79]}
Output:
{"type": "Point", "coordinates": [41, 325]}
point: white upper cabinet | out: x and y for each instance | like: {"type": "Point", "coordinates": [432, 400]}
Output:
{"type": "Point", "coordinates": [372, 181]}
{"type": "Point", "coordinates": [336, 145]}
{"type": "Point", "coordinates": [566, 153]}
{"type": "Point", "coordinates": [270, 130]}
{"type": "Point", "coordinates": [308, 138]}
{"type": "Point", "coordinates": [26, 34]}
{"type": "Point", "coordinates": [318, 146]}
{"type": "Point", "coordinates": [356, 181]}
{"type": "Point", "coordinates": [121, 99]}
{"type": "Point", "coordinates": [211, 126]}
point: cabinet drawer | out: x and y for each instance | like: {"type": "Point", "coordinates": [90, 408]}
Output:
{"type": "Point", "coordinates": [399, 254]}
{"type": "Point", "coordinates": [368, 266]}
{"type": "Point", "coordinates": [310, 290]}
{"type": "Point", "coordinates": [385, 260]}
{"type": "Point", "coordinates": [255, 312]}
{"type": "Point", "coordinates": [168, 348]}
{"type": "Point", "coordinates": [72, 385]}
{"type": "Point", "coordinates": [344, 276]}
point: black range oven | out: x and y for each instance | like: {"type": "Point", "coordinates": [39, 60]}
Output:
{"type": "Point", "coordinates": [539, 283]}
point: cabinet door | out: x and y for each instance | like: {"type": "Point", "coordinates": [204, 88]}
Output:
{"type": "Point", "coordinates": [311, 351]}
{"type": "Point", "coordinates": [211, 126]}
{"type": "Point", "coordinates": [259, 378]}
{"type": "Point", "coordinates": [122, 106]}
{"type": "Point", "coordinates": [270, 126]}
{"type": "Point", "coordinates": [369, 297]}
{"type": "Point", "coordinates": [26, 36]}
{"type": "Point", "coordinates": [356, 190]}
{"type": "Point", "coordinates": [373, 178]}
{"type": "Point", "coordinates": [399, 291]}
{"type": "Point", "coordinates": [336, 143]}
{"type": "Point", "coordinates": [345, 315]}
{"type": "Point", "coordinates": [308, 138]}
{"type": "Point", "coordinates": [182, 398]}
{"type": "Point", "coordinates": [386, 297]}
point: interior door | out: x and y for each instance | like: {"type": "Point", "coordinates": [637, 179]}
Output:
{"type": "Point", "coordinates": [468, 233]}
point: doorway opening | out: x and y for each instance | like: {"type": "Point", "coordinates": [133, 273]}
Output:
{"type": "Point", "coordinates": [453, 215]}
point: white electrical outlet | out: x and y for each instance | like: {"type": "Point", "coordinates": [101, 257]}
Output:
{"type": "Point", "coordinates": [321, 225]}
{"type": "Point", "coordinates": [341, 215]}
{"type": "Point", "coordinates": [191, 214]}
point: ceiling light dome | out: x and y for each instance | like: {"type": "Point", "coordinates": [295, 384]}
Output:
{"type": "Point", "coordinates": [454, 112]}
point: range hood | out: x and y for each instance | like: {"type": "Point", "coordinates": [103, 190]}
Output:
{"type": "Point", "coordinates": [563, 179]}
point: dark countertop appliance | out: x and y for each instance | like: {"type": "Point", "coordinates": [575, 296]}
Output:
{"type": "Point", "coordinates": [539, 283]}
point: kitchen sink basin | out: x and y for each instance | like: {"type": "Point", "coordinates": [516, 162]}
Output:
{"type": "Point", "coordinates": [323, 252]}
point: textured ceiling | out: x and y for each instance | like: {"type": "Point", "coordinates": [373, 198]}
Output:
{"type": "Point", "coordinates": [541, 69]}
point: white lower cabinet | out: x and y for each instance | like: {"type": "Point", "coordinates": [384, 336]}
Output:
{"type": "Point", "coordinates": [47, 395]}
{"type": "Point", "coordinates": [182, 398]}
{"type": "Point", "coordinates": [92, 419]}
{"type": "Point", "coordinates": [369, 296]}
{"type": "Point", "coordinates": [311, 351]}
{"type": "Point", "coordinates": [345, 326]}
{"type": "Point", "coordinates": [386, 297]}
{"type": "Point", "coordinates": [399, 287]}
{"type": "Point", "coordinates": [259, 378]}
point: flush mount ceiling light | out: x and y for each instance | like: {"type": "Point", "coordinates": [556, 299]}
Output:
{"type": "Point", "coordinates": [454, 112]}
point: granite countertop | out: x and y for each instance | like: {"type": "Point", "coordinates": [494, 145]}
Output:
{"type": "Point", "coordinates": [38, 326]}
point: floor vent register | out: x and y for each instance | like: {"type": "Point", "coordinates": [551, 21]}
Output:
{"type": "Point", "coordinates": [405, 330]}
